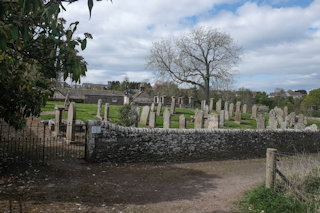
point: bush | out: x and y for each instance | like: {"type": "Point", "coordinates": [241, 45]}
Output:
{"type": "Point", "coordinates": [128, 116]}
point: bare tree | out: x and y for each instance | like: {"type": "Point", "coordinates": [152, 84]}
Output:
{"type": "Point", "coordinates": [195, 58]}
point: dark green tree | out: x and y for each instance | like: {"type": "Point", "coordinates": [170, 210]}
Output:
{"type": "Point", "coordinates": [35, 49]}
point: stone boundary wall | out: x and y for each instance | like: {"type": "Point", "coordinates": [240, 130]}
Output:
{"type": "Point", "coordinates": [107, 142]}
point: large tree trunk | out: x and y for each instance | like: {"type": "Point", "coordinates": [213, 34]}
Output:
{"type": "Point", "coordinates": [206, 90]}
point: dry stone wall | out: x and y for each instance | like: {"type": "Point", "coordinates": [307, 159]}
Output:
{"type": "Point", "coordinates": [107, 142]}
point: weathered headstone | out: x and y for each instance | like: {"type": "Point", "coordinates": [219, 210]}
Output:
{"type": "Point", "coordinates": [159, 109]}
{"type": "Point", "coordinates": [67, 101]}
{"type": "Point", "coordinates": [254, 112]}
{"type": "Point", "coordinates": [261, 122]}
{"type": "Point", "coordinates": [71, 121]}
{"type": "Point", "coordinates": [182, 122]}
{"type": "Point", "coordinates": [211, 104]}
{"type": "Point", "coordinates": [226, 106]}
{"type": "Point", "coordinates": [152, 119]}
{"type": "Point", "coordinates": [283, 125]}
{"type": "Point", "coordinates": [203, 104]}
{"type": "Point", "coordinates": [218, 105]}
{"type": "Point", "coordinates": [244, 108]}
{"type": "Point", "coordinates": [213, 121]}
{"type": "Point", "coordinates": [99, 108]}
{"type": "Point", "coordinates": [238, 106]}
{"type": "Point", "coordinates": [279, 114]}
{"type": "Point", "coordinates": [291, 119]}
{"type": "Point", "coordinates": [231, 108]}
{"type": "Point", "coordinates": [206, 110]}
{"type": "Point", "coordinates": [285, 111]}
{"type": "Point", "coordinates": [152, 107]}
{"type": "Point", "coordinates": [313, 127]}
{"type": "Point", "coordinates": [221, 121]}
{"type": "Point", "coordinates": [145, 115]}
{"type": "Point", "coordinates": [273, 122]}
{"type": "Point", "coordinates": [191, 102]}
{"type": "Point", "coordinates": [173, 105]}
{"type": "Point", "coordinates": [198, 120]}
{"type": "Point", "coordinates": [166, 119]}
{"type": "Point", "coordinates": [106, 112]}
{"type": "Point", "coordinates": [226, 115]}
{"type": "Point", "coordinates": [301, 124]}
{"type": "Point", "coordinates": [58, 119]}
{"type": "Point", "coordinates": [237, 117]}
{"type": "Point", "coordinates": [180, 102]}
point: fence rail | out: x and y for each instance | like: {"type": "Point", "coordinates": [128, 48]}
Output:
{"type": "Point", "coordinates": [38, 143]}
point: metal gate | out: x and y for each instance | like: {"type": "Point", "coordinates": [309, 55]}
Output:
{"type": "Point", "coordinates": [37, 143]}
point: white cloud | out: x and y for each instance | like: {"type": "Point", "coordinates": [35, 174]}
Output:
{"type": "Point", "coordinates": [282, 43]}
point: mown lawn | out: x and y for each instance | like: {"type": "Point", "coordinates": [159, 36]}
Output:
{"type": "Point", "coordinates": [88, 112]}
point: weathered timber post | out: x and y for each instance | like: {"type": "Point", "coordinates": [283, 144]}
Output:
{"type": "Point", "coordinates": [271, 166]}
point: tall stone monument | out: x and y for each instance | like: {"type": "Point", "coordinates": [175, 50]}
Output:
{"type": "Point", "coordinates": [244, 108]}
{"type": "Point", "coordinates": [145, 115]}
{"type": "Point", "coordinates": [231, 109]}
{"type": "Point", "coordinates": [221, 121]}
{"type": "Point", "coordinates": [261, 122]}
{"type": "Point", "coordinates": [211, 104]}
{"type": "Point", "coordinates": [198, 120]}
{"type": "Point", "coordinates": [106, 112]}
{"type": "Point", "coordinates": [99, 108]}
{"type": "Point", "coordinates": [152, 119]}
{"type": "Point", "coordinates": [254, 112]}
{"type": "Point", "coordinates": [218, 105]}
{"type": "Point", "coordinates": [159, 108]}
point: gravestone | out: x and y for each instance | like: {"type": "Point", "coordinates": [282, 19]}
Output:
{"type": "Point", "coordinates": [145, 115]}
{"type": "Point", "coordinates": [244, 108]}
{"type": "Point", "coordinates": [213, 121]}
{"type": "Point", "coordinates": [226, 106]}
{"type": "Point", "coordinates": [301, 124]}
{"type": "Point", "coordinates": [173, 105]}
{"type": "Point", "coordinates": [218, 105]}
{"type": "Point", "coordinates": [191, 102]}
{"type": "Point", "coordinates": [67, 101]}
{"type": "Point", "coordinates": [106, 112]}
{"type": "Point", "coordinates": [206, 110]}
{"type": "Point", "coordinates": [137, 116]}
{"type": "Point", "coordinates": [279, 114]}
{"type": "Point", "coordinates": [58, 119]}
{"type": "Point", "coordinates": [313, 128]}
{"type": "Point", "coordinates": [285, 111]}
{"type": "Point", "coordinates": [71, 121]}
{"type": "Point", "coordinates": [283, 125]}
{"type": "Point", "coordinates": [231, 108]}
{"type": "Point", "coordinates": [273, 122]}
{"type": "Point", "coordinates": [238, 106]}
{"type": "Point", "coordinates": [198, 120]}
{"type": "Point", "coordinates": [203, 104]}
{"type": "Point", "coordinates": [152, 107]}
{"type": "Point", "coordinates": [291, 119]}
{"type": "Point", "coordinates": [254, 112]}
{"type": "Point", "coordinates": [182, 122]}
{"type": "Point", "coordinates": [99, 108]}
{"type": "Point", "coordinates": [261, 122]}
{"type": "Point", "coordinates": [226, 115]}
{"type": "Point", "coordinates": [180, 102]}
{"type": "Point", "coordinates": [237, 117]}
{"type": "Point", "coordinates": [159, 109]}
{"type": "Point", "coordinates": [221, 122]}
{"type": "Point", "coordinates": [152, 119]}
{"type": "Point", "coordinates": [166, 119]}
{"type": "Point", "coordinates": [211, 104]}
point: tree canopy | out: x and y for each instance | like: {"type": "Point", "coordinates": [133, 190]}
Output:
{"type": "Point", "coordinates": [199, 57]}
{"type": "Point", "coordinates": [35, 48]}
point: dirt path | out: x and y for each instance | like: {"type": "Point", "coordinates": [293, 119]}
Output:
{"type": "Point", "coordinates": [210, 186]}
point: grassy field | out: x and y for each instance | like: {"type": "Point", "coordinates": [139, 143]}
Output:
{"type": "Point", "coordinates": [88, 112]}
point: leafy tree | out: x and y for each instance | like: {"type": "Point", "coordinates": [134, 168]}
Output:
{"type": "Point", "coordinates": [35, 49]}
{"type": "Point", "coordinates": [262, 98]}
{"type": "Point", "coordinates": [196, 58]}
{"type": "Point", "coordinates": [311, 102]}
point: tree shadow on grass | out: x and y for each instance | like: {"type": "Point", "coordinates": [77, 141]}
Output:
{"type": "Point", "coordinates": [97, 184]}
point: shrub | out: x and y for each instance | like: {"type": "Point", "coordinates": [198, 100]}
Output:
{"type": "Point", "coordinates": [128, 116]}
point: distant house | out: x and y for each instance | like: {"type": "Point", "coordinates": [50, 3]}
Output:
{"type": "Point", "coordinates": [94, 86]}
{"type": "Point", "coordinates": [288, 93]}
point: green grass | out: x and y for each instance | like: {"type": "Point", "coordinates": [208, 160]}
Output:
{"type": "Point", "coordinates": [310, 122]}
{"type": "Point", "coordinates": [266, 200]}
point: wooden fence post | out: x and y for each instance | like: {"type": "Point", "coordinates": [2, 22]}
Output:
{"type": "Point", "coordinates": [271, 166]}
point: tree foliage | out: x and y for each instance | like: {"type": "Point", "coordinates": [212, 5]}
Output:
{"type": "Point", "coordinates": [196, 58]}
{"type": "Point", "coordinates": [35, 48]}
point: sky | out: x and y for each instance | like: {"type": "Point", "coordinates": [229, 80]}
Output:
{"type": "Point", "coordinates": [280, 39]}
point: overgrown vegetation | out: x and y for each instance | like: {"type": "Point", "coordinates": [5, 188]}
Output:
{"type": "Point", "coordinates": [302, 196]}
{"type": "Point", "coordinates": [127, 116]}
